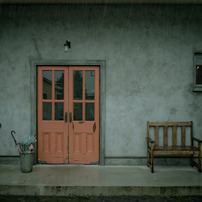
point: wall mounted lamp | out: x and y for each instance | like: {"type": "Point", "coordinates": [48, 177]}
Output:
{"type": "Point", "coordinates": [67, 46]}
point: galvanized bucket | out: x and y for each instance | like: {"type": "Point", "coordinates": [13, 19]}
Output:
{"type": "Point", "coordinates": [26, 161]}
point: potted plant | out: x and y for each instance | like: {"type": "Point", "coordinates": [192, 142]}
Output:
{"type": "Point", "coordinates": [26, 151]}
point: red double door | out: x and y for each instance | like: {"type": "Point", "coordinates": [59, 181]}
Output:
{"type": "Point", "coordinates": [68, 114]}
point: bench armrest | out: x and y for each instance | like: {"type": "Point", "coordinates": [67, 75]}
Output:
{"type": "Point", "coordinates": [198, 140]}
{"type": "Point", "coordinates": [150, 140]}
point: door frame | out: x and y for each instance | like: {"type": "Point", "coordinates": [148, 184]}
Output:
{"type": "Point", "coordinates": [33, 94]}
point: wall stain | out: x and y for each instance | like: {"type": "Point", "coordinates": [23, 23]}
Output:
{"type": "Point", "coordinates": [36, 48]}
{"type": "Point", "coordinates": [173, 110]}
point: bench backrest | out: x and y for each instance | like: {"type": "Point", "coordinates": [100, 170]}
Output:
{"type": "Point", "coordinates": [174, 127]}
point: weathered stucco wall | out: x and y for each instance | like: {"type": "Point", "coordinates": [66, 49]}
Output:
{"type": "Point", "coordinates": [148, 49]}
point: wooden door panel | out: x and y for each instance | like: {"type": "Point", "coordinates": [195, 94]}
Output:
{"type": "Point", "coordinates": [86, 127]}
{"type": "Point", "coordinates": [52, 130]}
{"type": "Point", "coordinates": [84, 132]}
{"type": "Point", "coordinates": [83, 143]}
{"type": "Point", "coordinates": [84, 150]}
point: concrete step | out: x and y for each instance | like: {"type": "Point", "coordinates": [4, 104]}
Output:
{"type": "Point", "coordinates": [83, 180]}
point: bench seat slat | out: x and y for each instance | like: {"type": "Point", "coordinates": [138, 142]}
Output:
{"type": "Point", "coordinates": [175, 148]}
{"type": "Point", "coordinates": [171, 152]}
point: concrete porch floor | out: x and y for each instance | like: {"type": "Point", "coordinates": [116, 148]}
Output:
{"type": "Point", "coordinates": [83, 180]}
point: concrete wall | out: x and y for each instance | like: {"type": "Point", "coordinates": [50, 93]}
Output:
{"type": "Point", "coordinates": [148, 49]}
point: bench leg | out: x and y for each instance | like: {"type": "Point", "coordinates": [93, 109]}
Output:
{"type": "Point", "coordinates": [150, 156]}
{"type": "Point", "coordinates": [192, 160]}
{"type": "Point", "coordinates": [199, 159]}
{"type": "Point", "coordinates": [199, 163]}
{"type": "Point", "coordinates": [147, 158]}
{"type": "Point", "coordinates": [152, 162]}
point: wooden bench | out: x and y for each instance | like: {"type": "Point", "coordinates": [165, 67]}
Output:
{"type": "Point", "coordinates": [165, 130]}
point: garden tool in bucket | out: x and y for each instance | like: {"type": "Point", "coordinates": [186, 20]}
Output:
{"type": "Point", "coordinates": [26, 155]}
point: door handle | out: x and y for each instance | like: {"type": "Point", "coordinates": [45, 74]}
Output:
{"type": "Point", "coordinates": [94, 127]}
{"type": "Point", "coordinates": [70, 117]}
{"type": "Point", "coordinates": [65, 117]}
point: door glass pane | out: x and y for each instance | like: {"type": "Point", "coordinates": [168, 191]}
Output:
{"type": "Point", "coordinates": [78, 111]}
{"type": "Point", "coordinates": [59, 85]}
{"type": "Point", "coordinates": [47, 85]}
{"type": "Point", "coordinates": [78, 80]}
{"type": "Point", "coordinates": [89, 111]}
{"type": "Point", "coordinates": [90, 85]}
{"type": "Point", "coordinates": [59, 112]}
{"type": "Point", "coordinates": [47, 111]}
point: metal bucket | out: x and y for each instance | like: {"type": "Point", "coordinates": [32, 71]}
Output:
{"type": "Point", "coordinates": [26, 161]}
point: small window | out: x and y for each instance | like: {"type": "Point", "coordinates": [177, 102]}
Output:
{"type": "Point", "coordinates": [198, 72]}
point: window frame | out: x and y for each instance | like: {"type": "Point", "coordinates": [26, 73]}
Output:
{"type": "Point", "coordinates": [196, 87]}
